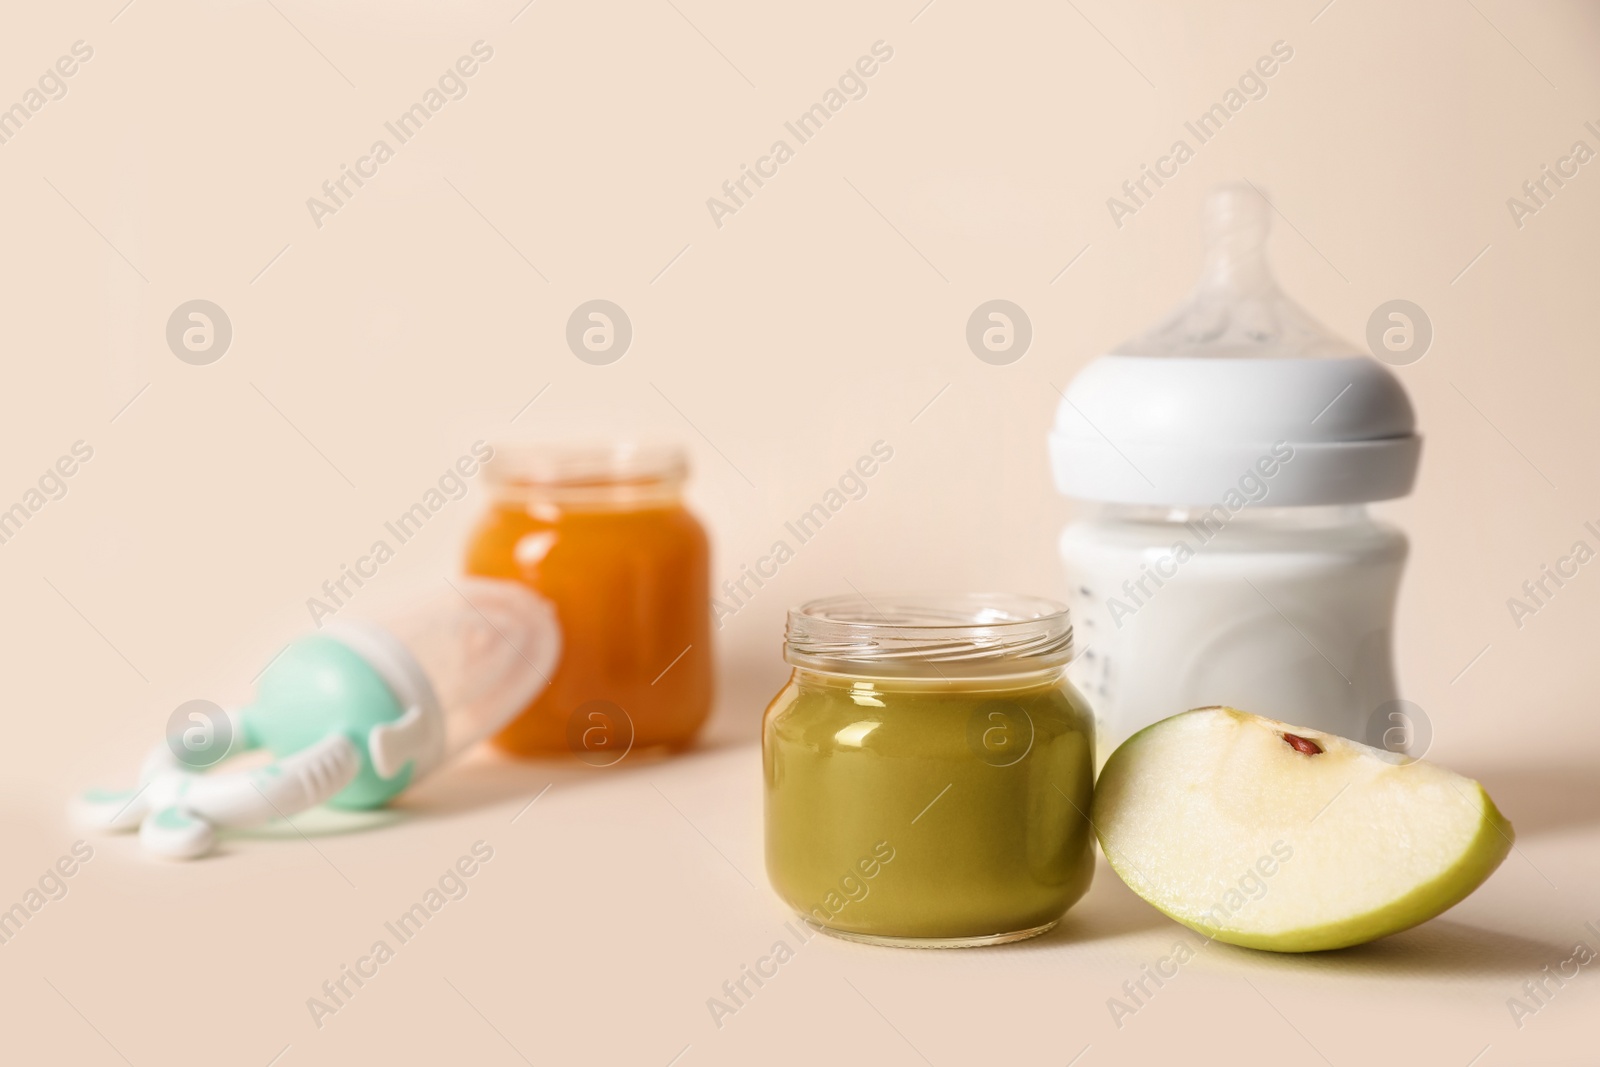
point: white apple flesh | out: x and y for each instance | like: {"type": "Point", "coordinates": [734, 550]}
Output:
{"type": "Point", "coordinates": [1279, 837]}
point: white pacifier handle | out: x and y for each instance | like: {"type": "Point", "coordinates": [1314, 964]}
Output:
{"type": "Point", "coordinates": [179, 811]}
{"type": "Point", "coordinates": [179, 808]}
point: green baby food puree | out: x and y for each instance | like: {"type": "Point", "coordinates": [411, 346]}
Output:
{"type": "Point", "coordinates": [929, 810]}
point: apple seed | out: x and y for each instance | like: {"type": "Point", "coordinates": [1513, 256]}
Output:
{"type": "Point", "coordinates": [1303, 745]}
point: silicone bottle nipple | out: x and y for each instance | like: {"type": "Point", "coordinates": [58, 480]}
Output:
{"type": "Point", "coordinates": [1237, 310]}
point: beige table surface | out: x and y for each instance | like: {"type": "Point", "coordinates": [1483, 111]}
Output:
{"type": "Point", "coordinates": [617, 904]}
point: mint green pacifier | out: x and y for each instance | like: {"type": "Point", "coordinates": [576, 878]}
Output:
{"type": "Point", "coordinates": [352, 714]}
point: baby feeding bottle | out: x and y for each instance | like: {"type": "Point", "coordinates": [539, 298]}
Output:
{"type": "Point", "coordinates": [351, 715]}
{"type": "Point", "coordinates": [1225, 460]}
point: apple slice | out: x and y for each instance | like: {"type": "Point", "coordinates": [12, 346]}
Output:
{"type": "Point", "coordinates": [1279, 837]}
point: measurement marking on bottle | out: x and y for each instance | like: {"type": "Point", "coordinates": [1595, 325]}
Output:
{"type": "Point", "coordinates": [931, 803]}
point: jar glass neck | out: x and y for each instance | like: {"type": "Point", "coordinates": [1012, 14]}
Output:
{"type": "Point", "coordinates": [604, 476]}
{"type": "Point", "coordinates": [930, 682]}
{"type": "Point", "coordinates": [939, 638]}
{"type": "Point", "coordinates": [638, 494]}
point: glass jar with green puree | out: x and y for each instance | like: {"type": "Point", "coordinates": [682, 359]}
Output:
{"type": "Point", "coordinates": [929, 770]}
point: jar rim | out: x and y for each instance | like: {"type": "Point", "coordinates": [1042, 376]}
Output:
{"type": "Point", "coordinates": [587, 464]}
{"type": "Point", "coordinates": [941, 635]}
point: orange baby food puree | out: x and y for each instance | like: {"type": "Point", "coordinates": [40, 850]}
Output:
{"type": "Point", "coordinates": [603, 534]}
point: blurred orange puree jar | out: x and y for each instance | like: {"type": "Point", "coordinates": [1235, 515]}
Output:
{"type": "Point", "coordinates": [602, 533]}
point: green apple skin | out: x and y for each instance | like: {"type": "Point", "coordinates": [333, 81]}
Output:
{"type": "Point", "coordinates": [1488, 849]}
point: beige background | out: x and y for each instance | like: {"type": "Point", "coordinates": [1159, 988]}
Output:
{"type": "Point", "coordinates": [827, 314]}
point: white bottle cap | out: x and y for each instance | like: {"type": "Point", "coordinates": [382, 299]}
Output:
{"type": "Point", "coordinates": [1238, 381]}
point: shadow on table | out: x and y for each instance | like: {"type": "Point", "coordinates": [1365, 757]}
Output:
{"type": "Point", "coordinates": [1546, 799]}
{"type": "Point", "coordinates": [1109, 910]}
{"type": "Point", "coordinates": [1442, 948]}
{"type": "Point", "coordinates": [486, 778]}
